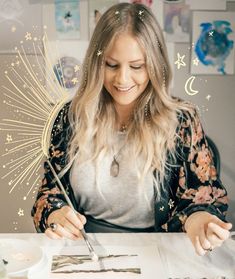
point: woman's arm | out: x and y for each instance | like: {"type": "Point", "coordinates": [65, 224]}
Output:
{"type": "Point", "coordinates": [201, 197]}
{"type": "Point", "coordinates": [50, 197]}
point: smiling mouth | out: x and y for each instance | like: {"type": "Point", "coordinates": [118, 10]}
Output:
{"type": "Point", "coordinates": [124, 89]}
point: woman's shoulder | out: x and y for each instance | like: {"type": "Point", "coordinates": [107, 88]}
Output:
{"type": "Point", "coordinates": [188, 122]}
{"type": "Point", "coordinates": [187, 114]}
{"type": "Point", "coordinates": [61, 124]}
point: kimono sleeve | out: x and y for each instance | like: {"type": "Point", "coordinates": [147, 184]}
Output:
{"type": "Point", "coordinates": [49, 197]}
{"type": "Point", "coordinates": [198, 187]}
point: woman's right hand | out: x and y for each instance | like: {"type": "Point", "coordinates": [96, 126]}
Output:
{"type": "Point", "coordinates": [66, 224]}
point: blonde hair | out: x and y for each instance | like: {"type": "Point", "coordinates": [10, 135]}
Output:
{"type": "Point", "coordinates": [92, 113]}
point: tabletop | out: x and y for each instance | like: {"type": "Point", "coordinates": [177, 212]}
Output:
{"type": "Point", "coordinates": [147, 255]}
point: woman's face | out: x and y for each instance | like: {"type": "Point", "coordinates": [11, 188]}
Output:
{"type": "Point", "coordinates": [126, 75]}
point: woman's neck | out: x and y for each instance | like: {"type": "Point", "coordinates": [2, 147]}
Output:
{"type": "Point", "coordinates": [124, 113]}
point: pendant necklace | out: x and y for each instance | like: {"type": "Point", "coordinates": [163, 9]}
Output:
{"type": "Point", "coordinates": [114, 168]}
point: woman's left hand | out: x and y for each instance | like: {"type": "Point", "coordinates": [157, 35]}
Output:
{"type": "Point", "coordinates": [206, 231]}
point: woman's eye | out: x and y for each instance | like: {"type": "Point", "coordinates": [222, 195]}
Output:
{"type": "Point", "coordinates": [111, 65]}
{"type": "Point", "coordinates": [136, 67]}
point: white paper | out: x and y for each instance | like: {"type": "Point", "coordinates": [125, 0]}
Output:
{"type": "Point", "coordinates": [71, 266]}
{"type": "Point", "coordinates": [146, 258]}
{"type": "Point", "coordinates": [220, 263]}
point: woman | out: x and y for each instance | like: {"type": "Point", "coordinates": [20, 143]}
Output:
{"type": "Point", "coordinates": [131, 157]}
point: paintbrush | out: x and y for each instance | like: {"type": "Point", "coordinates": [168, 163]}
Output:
{"type": "Point", "coordinates": [93, 255]}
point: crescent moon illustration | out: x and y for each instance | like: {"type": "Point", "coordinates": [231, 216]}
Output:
{"type": "Point", "coordinates": [188, 86]}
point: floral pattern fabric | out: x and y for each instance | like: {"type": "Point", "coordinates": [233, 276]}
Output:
{"type": "Point", "coordinates": [191, 182]}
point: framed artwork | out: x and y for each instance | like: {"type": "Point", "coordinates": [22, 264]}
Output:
{"type": "Point", "coordinates": [176, 21]}
{"type": "Point", "coordinates": [96, 9]}
{"type": "Point", "coordinates": [206, 5]}
{"type": "Point", "coordinates": [63, 65]}
{"type": "Point", "coordinates": [213, 39]}
{"type": "Point", "coordinates": [148, 3]}
{"type": "Point", "coordinates": [67, 19]}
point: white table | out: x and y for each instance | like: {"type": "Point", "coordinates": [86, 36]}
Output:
{"type": "Point", "coordinates": [163, 255]}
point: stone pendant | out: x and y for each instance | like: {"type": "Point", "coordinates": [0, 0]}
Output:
{"type": "Point", "coordinates": [114, 168]}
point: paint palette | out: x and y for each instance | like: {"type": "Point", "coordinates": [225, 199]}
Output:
{"type": "Point", "coordinates": [19, 255]}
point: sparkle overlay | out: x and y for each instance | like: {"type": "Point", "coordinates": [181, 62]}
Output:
{"type": "Point", "coordinates": [195, 61]}
{"type": "Point", "coordinates": [171, 203]}
{"type": "Point", "coordinates": [32, 98]}
{"type": "Point", "coordinates": [99, 52]}
{"type": "Point", "coordinates": [21, 212]}
{"type": "Point", "coordinates": [179, 62]}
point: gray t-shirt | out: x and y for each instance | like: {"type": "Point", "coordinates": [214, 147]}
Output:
{"type": "Point", "coordinates": [119, 200]}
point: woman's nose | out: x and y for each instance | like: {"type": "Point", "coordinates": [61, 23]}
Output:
{"type": "Point", "coordinates": [122, 75]}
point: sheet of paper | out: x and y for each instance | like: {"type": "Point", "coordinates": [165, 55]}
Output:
{"type": "Point", "coordinates": [117, 262]}
{"type": "Point", "coordinates": [220, 263]}
{"type": "Point", "coordinates": [125, 266]}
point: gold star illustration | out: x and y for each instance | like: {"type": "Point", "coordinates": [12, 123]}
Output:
{"type": "Point", "coordinates": [99, 52]}
{"type": "Point", "coordinates": [171, 203]}
{"type": "Point", "coordinates": [21, 212]}
{"type": "Point", "coordinates": [28, 36]}
{"type": "Point", "coordinates": [76, 68]}
{"type": "Point", "coordinates": [208, 97]}
{"type": "Point", "coordinates": [180, 61]}
{"type": "Point", "coordinates": [13, 29]}
{"type": "Point", "coordinates": [74, 80]}
{"type": "Point", "coordinates": [195, 61]}
{"type": "Point", "coordinates": [141, 12]}
{"type": "Point", "coordinates": [9, 138]}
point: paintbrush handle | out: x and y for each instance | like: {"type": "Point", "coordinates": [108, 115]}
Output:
{"type": "Point", "coordinates": [84, 234]}
{"type": "Point", "coordinates": [89, 246]}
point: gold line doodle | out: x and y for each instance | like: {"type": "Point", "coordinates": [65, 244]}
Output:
{"type": "Point", "coordinates": [188, 86]}
{"type": "Point", "coordinates": [34, 97]}
{"type": "Point", "coordinates": [179, 62]}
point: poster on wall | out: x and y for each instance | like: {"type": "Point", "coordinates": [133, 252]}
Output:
{"type": "Point", "coordinates": [148, 3]}
{"type": "Point", "coordinates": [96, 9]}
{"type": "Point", "coordinates": [176, 21]}
{"type": "Point", "coordinates": [155, 5]}
{"type": "Point", "coordinates": [64, 65]}
{"type": "Point", "coordinates": [67, 19]}
{"type": "Point", "coordinates": [206, 5]}
{"type": "Point", "coordinates": [213, 38]}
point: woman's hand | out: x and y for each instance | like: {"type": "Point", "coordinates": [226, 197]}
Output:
{"type": "Point", "coordinates": [206, 231]}
{"type": "Point", "coordinates": [66, 224]}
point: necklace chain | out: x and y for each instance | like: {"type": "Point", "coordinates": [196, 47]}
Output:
{"type": "Point", "coordinates": [123, 128]}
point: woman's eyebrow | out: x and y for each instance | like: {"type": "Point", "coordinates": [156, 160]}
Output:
{"type": "Point", "coordinates": [133, 61]}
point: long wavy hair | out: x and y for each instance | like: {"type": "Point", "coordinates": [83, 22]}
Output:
{"type": "Point", "coordinates": [92, 113]}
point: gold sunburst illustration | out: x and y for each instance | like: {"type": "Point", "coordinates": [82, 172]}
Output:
{"type": "Point", "coordinates": [32, 99]}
